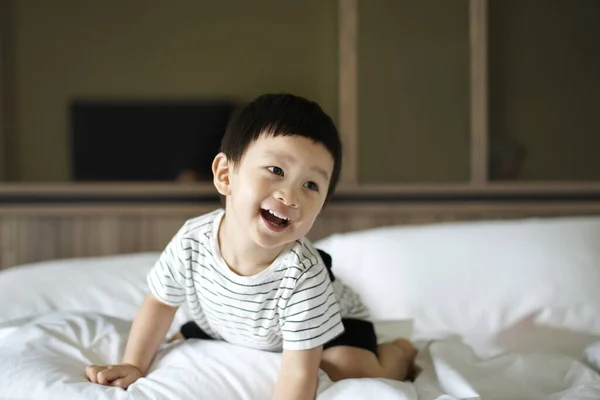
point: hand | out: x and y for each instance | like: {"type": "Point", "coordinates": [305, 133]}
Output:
{"type": "Point", "coordinates": [175, 337]}
{"type": "Point", "coordinates": [113, 375]}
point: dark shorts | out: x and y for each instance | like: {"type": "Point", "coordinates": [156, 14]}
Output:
{"type": "Point", "coordinates": [357, 333]}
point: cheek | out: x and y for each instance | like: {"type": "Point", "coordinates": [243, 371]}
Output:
{"type": "Point", "coordinates": [250, 189]}
{"type": "Point", "coordinates": [313, 208]}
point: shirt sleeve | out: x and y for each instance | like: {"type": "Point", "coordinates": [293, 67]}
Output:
{"type": "Point", "coordinates": [311, 316]}
{"type": "Point", "coordinates": [167, 278]}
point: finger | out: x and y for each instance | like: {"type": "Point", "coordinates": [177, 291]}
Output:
{"type": "Point", "coordinates": [119, 383]}
{"type": "Point", "coordinates": [177, 336]}
{"type": "Point", "coordinates": [124, 382]}
{"type": "Point", "coordinates": [91, 372]}
{"type": "Point", "coordinates": [110, 374]}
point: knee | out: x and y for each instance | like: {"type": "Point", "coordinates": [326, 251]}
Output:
{"type": "Point", "coordinates": [401, 348]}
{"type": "Point", "coordinates": [346, 363]}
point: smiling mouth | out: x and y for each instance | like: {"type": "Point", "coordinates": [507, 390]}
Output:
{"type": "Point", "coordinates": [274, 220]}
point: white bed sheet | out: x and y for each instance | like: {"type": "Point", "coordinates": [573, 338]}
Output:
{"type": "Point", "coordinates": [45, 359]}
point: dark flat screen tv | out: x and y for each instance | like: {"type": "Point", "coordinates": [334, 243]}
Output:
{"type": "Point", "coordinates": [145, 140]}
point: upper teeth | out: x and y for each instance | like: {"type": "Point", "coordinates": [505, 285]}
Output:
{"type": "Point", "coordinates": [278, 215]}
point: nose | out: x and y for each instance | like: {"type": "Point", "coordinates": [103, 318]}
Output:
{"type": "Point", "coordinates": [287, 196]}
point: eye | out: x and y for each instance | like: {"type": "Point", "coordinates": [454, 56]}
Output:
{"type": "Point", "coordinates": [276, 170]}
{"type": "Point", "coordinates": [311, 186]}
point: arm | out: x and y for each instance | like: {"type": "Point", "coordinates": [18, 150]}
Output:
{"type": "Point", "coordinates": [309, 318]}
{"type": "Point", "coordinates": [298, 374]}
{"type": "Point", "coordinates": [147, 332]}
{"type": "Point", "coordinates": [166, 281]}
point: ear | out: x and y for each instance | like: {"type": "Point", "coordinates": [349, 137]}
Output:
{"type": "Point", "coordinates": [221, 174]}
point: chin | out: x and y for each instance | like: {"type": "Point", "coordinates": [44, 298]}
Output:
{"type": "Point", "coordinates": [269, 241]}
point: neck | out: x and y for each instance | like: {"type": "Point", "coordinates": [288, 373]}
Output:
{"type": "Point", "coordinates": [243, 256]}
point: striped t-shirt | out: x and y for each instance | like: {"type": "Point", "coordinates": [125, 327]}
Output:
{"type": "Point", "coordinates": [289, 305]}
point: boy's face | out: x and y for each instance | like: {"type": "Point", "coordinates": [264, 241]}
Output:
{"type": "Point", "coordinates": [279, 188]}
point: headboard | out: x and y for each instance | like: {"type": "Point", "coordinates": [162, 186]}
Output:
{"type": "Point", "coordinates": [56, 223]}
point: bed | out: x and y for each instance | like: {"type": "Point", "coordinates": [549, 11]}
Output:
{"type": "Point", "coordinates": [498, 309]}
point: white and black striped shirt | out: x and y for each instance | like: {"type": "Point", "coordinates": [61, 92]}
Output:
{"type": "Point", "coordinates": [289, 305]}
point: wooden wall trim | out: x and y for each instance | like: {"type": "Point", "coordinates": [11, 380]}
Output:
{"type": "Point", "coordinates": [3, 16]}
{"type": "Point", "coordinates": [478, 33]}
{"type": "Point", "coordinates": [107, 189]}
{"type": "Point", "coordinates": [493, 188]}
{"type": "Point", "coordinates": [141, 204]}
{"type": "Point", "coordinates": [348, 86]}
{"type": "Point", "coordinates": [89, 193]}
{"type": "Point", "coordinates": [7, 89]}
{"type": "Point", "coordinates": [95, 210]}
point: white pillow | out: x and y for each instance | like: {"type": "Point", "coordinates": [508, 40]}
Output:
{"type": "Point", "coordinates": [592, 354]}
{"type": "Point", "coordinates": [502, 285]}
{"type": "Point", "coordinates": [113, 285]}
{"type": "Point", "coordinates": [110, 285]}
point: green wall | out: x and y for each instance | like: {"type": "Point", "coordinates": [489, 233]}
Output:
{"type": "Point", "coordinates": [65, 49]}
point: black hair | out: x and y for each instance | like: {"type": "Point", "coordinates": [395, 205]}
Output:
{"type": "Point", "coordinates": [282, 115]}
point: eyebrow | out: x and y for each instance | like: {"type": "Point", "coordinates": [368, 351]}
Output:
{"type": "Point", "coordinates": [291, 159]}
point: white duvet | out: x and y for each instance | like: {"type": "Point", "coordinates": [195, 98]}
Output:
{"type": "Point", "coordinates": [45, 357]}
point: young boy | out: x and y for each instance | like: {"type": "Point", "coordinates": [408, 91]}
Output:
{"type": "Point", "coordinates": [247, 272]}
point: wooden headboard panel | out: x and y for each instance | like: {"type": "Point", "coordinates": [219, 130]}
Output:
{"type": "Point", "coordinates": [57, 229]}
